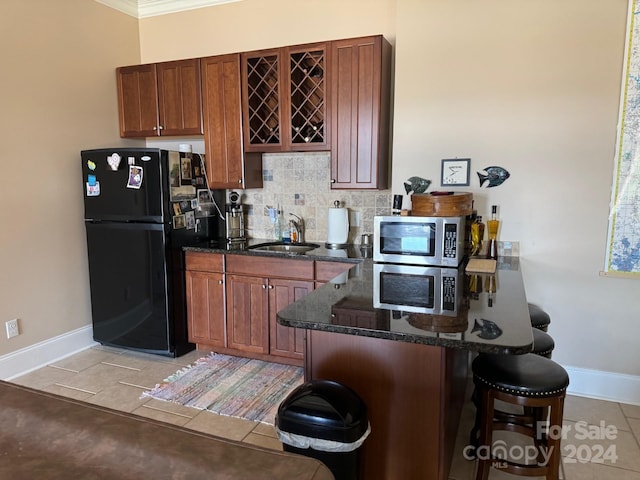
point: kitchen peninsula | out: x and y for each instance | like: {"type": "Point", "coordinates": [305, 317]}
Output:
{"type": "Point", "coordinates": [410, 369]}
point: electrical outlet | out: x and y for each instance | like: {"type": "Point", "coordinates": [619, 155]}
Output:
{"type": "Point", "coordinates": [12, 328]}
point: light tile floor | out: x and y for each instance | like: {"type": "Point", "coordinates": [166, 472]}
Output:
{"type": "Point", "coordinates": [116, 378]}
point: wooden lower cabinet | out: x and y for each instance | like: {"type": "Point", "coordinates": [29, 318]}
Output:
{"type": "Point", "coordinates": [206, 308]}
{"type": "Point", "coordinates": [413, 393]}
{"type": "Point", "coordinates": [327, 271]}
{"type": "Point", "coordinates": [252, 307]}
{"type": "Point", "coordinates": [286, 341]}
{"type": "Point", "coordinates": [205, 297]}
{"type": "Point", "coordinates": [233, 301]}
{"type": "Point", "coordinates": [247, 313]}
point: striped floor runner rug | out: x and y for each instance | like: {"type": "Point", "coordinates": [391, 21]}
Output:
{"type": "Point", "coordinates": [233, 386]}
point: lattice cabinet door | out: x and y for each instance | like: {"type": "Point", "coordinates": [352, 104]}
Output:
{"type": "Point", "coordinates": [262, 101]}
{"type": "Point", "coordinates": [306, 99]}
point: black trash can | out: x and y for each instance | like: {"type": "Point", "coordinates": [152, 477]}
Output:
{"type": "Point", "coordinates": [327, 421]}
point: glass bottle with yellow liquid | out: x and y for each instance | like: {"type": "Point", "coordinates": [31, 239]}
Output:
{"type": "Point", "coordinates": [492, 228]}
{"type": "Point", "coordinates": [477, 236]}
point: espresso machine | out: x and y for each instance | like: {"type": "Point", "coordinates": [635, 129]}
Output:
{"type": "Point", "coordinates": [234, 218]}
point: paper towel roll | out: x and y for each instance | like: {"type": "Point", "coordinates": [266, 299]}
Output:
{"type": "Point", "coordinates": [338, 226]}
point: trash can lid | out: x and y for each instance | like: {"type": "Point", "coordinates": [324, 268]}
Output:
{"type": "Point", "coordinates": [323, 409]}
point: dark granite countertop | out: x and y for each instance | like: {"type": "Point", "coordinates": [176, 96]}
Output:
{"type": "Point", "coordinates": [349, 254]}
{"type": "Point", "coordinates": [496, 322]}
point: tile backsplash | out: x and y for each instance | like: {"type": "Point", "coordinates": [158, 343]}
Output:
{"type": "Point", "coordinates": [300, 184]}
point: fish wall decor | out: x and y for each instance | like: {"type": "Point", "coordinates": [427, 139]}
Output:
{"type": "Point", "coordinates": [416, 185]}
{"type": "Point", "coordinates": [494, 175]}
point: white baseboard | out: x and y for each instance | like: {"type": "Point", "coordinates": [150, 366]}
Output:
{"type": "Point", "coordinates": [41, 354]}
{"type": "Point", "coordinates": [614, 387]}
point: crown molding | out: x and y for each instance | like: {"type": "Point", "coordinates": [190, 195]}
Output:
{"type": "Point", "coordinates": [152, 8]}
{"type": "Point", "coordinates": [130, 7]}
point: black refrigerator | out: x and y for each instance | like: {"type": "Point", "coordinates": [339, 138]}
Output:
{"type": "Point", "coordinates": [142, 205]}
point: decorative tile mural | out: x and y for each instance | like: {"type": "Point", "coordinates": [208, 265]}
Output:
{"type": "Point", "coordinates": [300, 183]}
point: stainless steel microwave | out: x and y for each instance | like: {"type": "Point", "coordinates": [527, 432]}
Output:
{"type": "Point", "coordinates": [417, 289]}
{"type": "Point", "coordinates": [411, 240]}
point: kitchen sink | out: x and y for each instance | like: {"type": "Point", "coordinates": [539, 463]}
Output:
{"type": "Point", "coordinates": [285, 247]}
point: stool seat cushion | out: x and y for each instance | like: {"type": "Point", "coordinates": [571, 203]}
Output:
{"type": "Point", "coordinates": [543, 343]}
{"type": "Point", "coordinates": [539, 318]}
{"type": "Point", "coordinates": [527, 375]}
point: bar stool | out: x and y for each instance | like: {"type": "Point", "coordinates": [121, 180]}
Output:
{"type": "Point", "coordinates": [527, 380]}
{"type": "Point", "coordinates": [539, 318]}
{"type": "Point", "coordinates": [543, 345]}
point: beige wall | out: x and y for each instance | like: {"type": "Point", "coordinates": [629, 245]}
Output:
{"type": "Point", "coordinates": [257, 24]}
{"type": "Point", "coordinates": [58, 96]}
{"type": "Point", "coordinates": [531, 86]}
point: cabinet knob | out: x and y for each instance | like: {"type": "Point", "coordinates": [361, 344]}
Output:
{"type": "Point", "coordinates": [270, 287]}
{"type": "Point", "coordinates": [333, 180]}
{"type": "Point", "coordinates": [239, 181]}
{"type": "Point", "coordinates": [154, 128]}
{"type": "Point", "coordinates": [160, 127]}
{"type": "Point", "coordinates": [220, 282]}
{"type": "Point", "coordinates": [264, 286]}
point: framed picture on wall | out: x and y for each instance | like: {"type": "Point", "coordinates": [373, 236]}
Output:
{"type": "Point", "coordinates": [455, 172]}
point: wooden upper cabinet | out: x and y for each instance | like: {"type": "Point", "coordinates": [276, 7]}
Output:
{"type": "Point", "coordinates": [138, 101]}
{"type": "Point", "coordinates": [179, 97]}
{"type": "Point", "coordinates": [305, 101]}
{"type": "Point", "coordinates": [330, 96]}
{"type": "Point", "coordinates": [160, 99]}
{"type": "Point", "coordinates": [262, 100]}
{"type": "Point", "coordinates": [285, 95]}
{"type": "Point", "coordinates": [360, 98]}
{"type": "Point", "coordinates": [228, 166]}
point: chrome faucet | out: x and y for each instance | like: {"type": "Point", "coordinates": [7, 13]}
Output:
{"type": "Point", "coordinates": [299, 228]}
